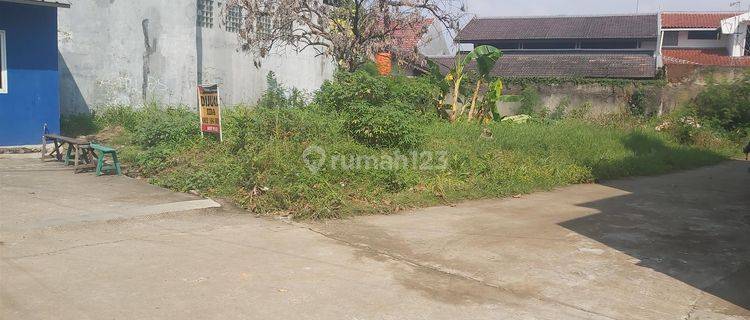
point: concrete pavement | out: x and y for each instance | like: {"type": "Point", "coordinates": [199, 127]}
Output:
{"type": "Point", "coordinates": [670, 247]}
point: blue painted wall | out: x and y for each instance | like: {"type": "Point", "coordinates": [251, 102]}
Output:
{"type": "Point", "coordinates": [33, 81]}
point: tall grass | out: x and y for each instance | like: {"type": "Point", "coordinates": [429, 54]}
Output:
{"type": "Point", "coordinates": [260, 164]}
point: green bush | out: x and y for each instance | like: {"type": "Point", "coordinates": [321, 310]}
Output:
{"type": "Point", "coordinates": [173, 125]}
{"type": "Point", "coordinates": [78, 124]}
{"type": "Point", "coordinates": [348, 89]}
{"type": "Point", "coordinates": [726, 105]}
{"type": "Point", "coordinates": [530, 101]}
{"type": "Point", "coordinates": [123, 116]}
{"type": "Point", "coordinates": [388, 126]}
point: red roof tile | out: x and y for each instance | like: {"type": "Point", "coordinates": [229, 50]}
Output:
{"type": "Point", "coordinates": [695, 19]}
{"type": "Point", "coordinates": [704, 57]}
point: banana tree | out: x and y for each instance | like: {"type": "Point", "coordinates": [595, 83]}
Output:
{"type": "Point", "coordinates": [486, 57]}
{"type": "Point", "coordinates": [488, 109]}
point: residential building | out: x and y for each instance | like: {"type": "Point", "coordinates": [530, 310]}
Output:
{"type": "Point", "coordinates": [704, 39]}
{"type": "Point", "coordinates": [620, 46]}
{"type": "Point", "coordinates": [29, 78]}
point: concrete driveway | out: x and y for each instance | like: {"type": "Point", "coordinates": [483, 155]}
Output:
{"type": "Point", "coordinates": [669, 247]}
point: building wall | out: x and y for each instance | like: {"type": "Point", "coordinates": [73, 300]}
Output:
{"type": "Point", "coordinates": [127, 52]}
{"type": "Point", "coordinates": [32, 98]}
{"type": "Point", "coordinates": [242, 76]}
{"type": "Point", "coordinates": [684, 42]}
{"type": "Point", "coordinates": [106, 60]}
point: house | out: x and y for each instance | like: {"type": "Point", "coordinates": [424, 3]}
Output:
{"type": "Point", "coordinates": [694, 39]}
{"type": "Point", "coordinates": [620, 46]}
{"type": "Point", "coordinates": [29, 78]}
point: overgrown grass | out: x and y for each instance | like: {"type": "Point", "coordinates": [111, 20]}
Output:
{"type": "Point", "coordinates": [260, 164]}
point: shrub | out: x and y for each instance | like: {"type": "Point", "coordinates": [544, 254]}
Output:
{"type": "Point", "coordinates": [248, 127]}
{"type": "Point", "coordinates": [582, 111]}
{"type": "Point", "coordinates": [78, 124]}
{"type": "Point", "coordinates": [637, 103]}
{"type": "Point", "coordinates": [123, 116]}
{"type": "Point", "coordinates": [387, 126]}
{"type": "Point", "coordinates": [530, 101]}
{"type": "Point", "coordinates": [172, 125]}
{"type": "Point", "coordinates": [348, 89]}
{"type": "Point", "coordinates": [560, 109]}
{"type": "Point", "coordinates": [726, 105]}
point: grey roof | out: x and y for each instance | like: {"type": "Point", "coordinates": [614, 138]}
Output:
{"type": "Point", "coordinates": [536, 28]}
{"type": "Point", "coordinates": [570, 65]}
{"type": "Point", "coordinates": [49, 3]}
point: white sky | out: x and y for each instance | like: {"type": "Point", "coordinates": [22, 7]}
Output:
{"type": "Point", "coordinates": [485, 8]}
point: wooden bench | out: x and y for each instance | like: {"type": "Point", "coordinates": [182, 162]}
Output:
{"type": "Point", "coordinates": [78, 150]}
{"type": "Point", "coordinates": [104, 151]}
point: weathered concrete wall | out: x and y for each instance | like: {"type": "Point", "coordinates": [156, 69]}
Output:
{"type": "Point", "coordinates": [242, 81]}
{"type": "Point", "coordinates": [138, 51]}
{"type": "Point", "coordinates": [692, 80]}
{"type": "Point", "coordinates": [601, 99]}
{"type": "Point", "coordinates": [127, 52]}
{"type": "Point", "coordinates": [604, 99]}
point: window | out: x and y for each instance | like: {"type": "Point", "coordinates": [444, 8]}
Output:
{"type": "Point", "coordinates": [233, 20]}
{"type": "Point", "coordinates": [610, 44]}
{"type": "Point", "coordinates": [206, 13]}
{"type": "Point", "coordinates": [335, 3]}
{"type": "Point", "coordinates": [265, 25]}
{"type": "Point", "coordinates": [547, 45]}
{"type": "Point", "coordinates": [671, 38]}
{"type": "Point", "coordinates": [3, 65]}
{"type": "Point", "coordinates": [507, 45]}
{"type": "Point", "coordinates": [703, 35]}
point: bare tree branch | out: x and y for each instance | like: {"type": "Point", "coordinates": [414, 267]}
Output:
{"type": "Point", "coordinates": [349, 31]}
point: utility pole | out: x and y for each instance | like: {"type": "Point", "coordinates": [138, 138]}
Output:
{"type": "Point", "coordinates": [637, 6]}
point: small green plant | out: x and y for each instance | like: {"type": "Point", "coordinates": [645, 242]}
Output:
{"type": "Point", "coordinates": [388, 127]}
{"type": "Point", "coordinates": [123, 116]}
{"type": "Point", "coordinates": [559, 111]}
{"type": "Point", "coordinates": [278, 96]}
{"type": "Point", "coordinates": [637, 103]}
{"type": "Point", "coordinates": [171, 125]}
{"type": "Point", "coordinates": [582, 111]}
{"type": "Point", "coordinates": [530, 101]}
{"type": "Point", "coordinates": [78, 124]}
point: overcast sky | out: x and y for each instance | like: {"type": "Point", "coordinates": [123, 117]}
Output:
{"type": "Point", "coordinates": [585, 7]}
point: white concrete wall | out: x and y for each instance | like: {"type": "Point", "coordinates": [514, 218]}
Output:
{"type": "Point", "coordinates": [736, 43]}
{"type": "Point", "coordinates": [104, 59]}
{"type": "Point", "coordinates": [241, 82]}
{"type": "Point", "coordinates": [684, 42]}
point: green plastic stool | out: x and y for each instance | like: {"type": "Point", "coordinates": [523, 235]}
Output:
{"type": "Point", "coordinates": [104, 151]}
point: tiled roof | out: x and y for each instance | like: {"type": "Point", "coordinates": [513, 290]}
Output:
{"type": "Point", "coordinates": [704, 57]}
{"type": "Point", "coordinates": [51, 3]}
{"type": "Point", "coordinates": [695, 19]}
{"type": "Point", "coordinates": [408, 38]}
{"type": "Point", "coordinates": [610, 65]}
{"type": "Point", "coordinates": [592, 27]}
